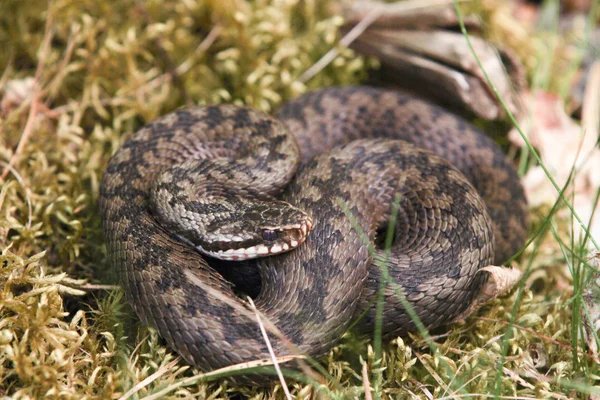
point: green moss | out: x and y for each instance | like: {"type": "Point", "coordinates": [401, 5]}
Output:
{"type": "Point", "coordinates": [107, 68]}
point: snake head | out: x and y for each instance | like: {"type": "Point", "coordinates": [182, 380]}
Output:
{"type": "Point", "coordinates": [256, 229]}
{"type": "Point", "coordinates": [231, 227]}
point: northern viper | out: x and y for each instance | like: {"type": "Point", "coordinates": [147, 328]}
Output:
{"type": "Point", "coordinates": [443, 233]}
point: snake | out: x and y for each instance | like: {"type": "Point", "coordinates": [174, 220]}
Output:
{"type": "Point", "coordinates": [343, 189]}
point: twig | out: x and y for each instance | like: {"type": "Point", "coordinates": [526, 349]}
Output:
{"type": "Point", "coordinates": [515, 377]}
{"type": "Point", "coordinates": [359, 28]}
{"type": "Point", "coordinates": [161, 371]}
{"type": "Point", "coordinates": [423, 388]}
{"type": "Point", "coordinates": [463, 386]}
{"type": "Point", "coordinates": [153, 83]}
{"type": "Point", "coordinates": [35, 98]}
{"type": "Point", "coordinates": [202, 48]}
{"type": "Point", "coordinates": [164, 55]}
{"type": "Point", "coordinates": [533, 332]}
{"type": "Point", "coordinates": [187, 64]}
{"type": "Point", "coordinates": [26, 131]}
{"type": "Point", "coordinates": [271, 352]}
{"type": "Point", "coordinates": [366, 383]}
{"type": "Point", "coordinates": [63, 66]}
{"type": "Point", "coordinates": [137, 348]}
{"type": "Point", "coordinates": [237, 305]}
{"type": "Point", "coordinates": [433, 373]}
{"type": "Point", "coordinates": [345, 41]}
{"type": "Point", "coordinates": [7, 70]}
{"type": "Point", "coordinates": [216, 373]}
{"type": "Point", "coordinates": [94, 286]}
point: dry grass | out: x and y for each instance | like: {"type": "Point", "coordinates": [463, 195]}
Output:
{"type": "Point", "coordinates": [77, 78]}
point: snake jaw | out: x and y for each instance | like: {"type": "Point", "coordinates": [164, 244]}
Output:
{"type": "Point", "coordinates": [289, 237]}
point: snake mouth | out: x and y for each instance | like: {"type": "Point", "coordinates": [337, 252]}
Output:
{"type": "Point", "coordinates": [289, 237]}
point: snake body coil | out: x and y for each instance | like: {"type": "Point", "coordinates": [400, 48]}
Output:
{"type": "Point", "coordinates": [443, 232]}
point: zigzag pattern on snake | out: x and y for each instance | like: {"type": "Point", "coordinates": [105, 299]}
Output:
{"type": "Point", "coordinates": [444, 232]}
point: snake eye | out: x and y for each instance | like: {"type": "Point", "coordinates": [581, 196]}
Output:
{"type": "Point", "coordinates": [269, 235]}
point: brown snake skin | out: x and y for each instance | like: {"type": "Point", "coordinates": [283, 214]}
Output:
{"type": "Point", "coordinates": [443, 233]}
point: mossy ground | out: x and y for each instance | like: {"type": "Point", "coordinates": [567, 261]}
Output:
{"type": "Point", "coordinates": [100, 70]}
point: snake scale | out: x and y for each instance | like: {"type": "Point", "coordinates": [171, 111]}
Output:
{"type": "Point", "coordinates": [164, 206]}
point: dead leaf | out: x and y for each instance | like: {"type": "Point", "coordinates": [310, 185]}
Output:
{"type": "Point", "coordinates": [424, 54]}
{"type": "Point", "coordinates": [500, 281]}
{"type": "Point", "coordinates": [563, 147]}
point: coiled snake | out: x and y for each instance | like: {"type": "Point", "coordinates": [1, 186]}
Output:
{"type": "Point", "coordinates": [164, 201]}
